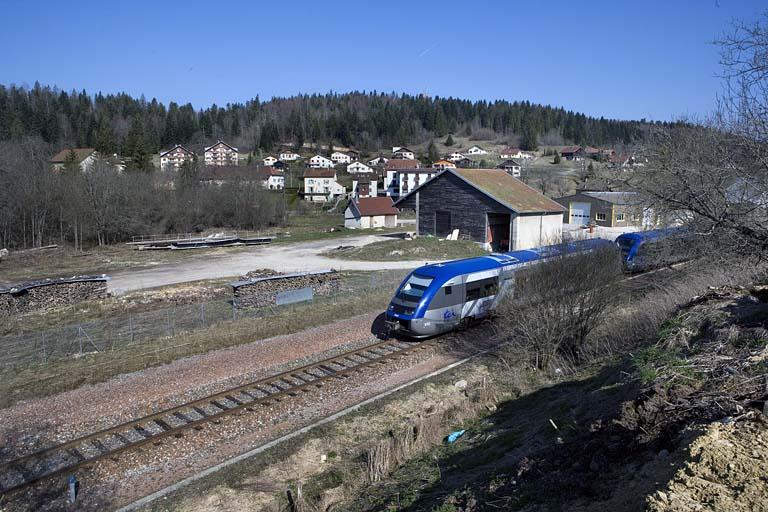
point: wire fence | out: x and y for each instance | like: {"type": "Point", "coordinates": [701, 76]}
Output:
{"type": "Point", "coordinates": [80, 338]}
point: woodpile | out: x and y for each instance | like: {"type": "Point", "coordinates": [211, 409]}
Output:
{"type": "Point", "coordinates": [263, 291]}
{"type": "Point", "coordinates": [51, 293]}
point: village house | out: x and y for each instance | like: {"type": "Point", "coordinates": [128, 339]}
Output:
{"type": "Point", "coordinates": [353, 154]}
{"type": "Point", "coordinates": [572, 153]}
{"type": "Point", "coordinates": [455, 156]}
{"type": "Point", "coordinates": [487, 206]}
{"type": "Point", "coordinates": [337, 157]}
{"type": "Point", "coordinates": [370, 212]}
{"type": "Point", "coordinates": [465, 163]}
{"type": "Point", "coordinates": [176, 157]}
{"type": "Point", "coordinates": [320, 162]}
{"type": "Point", "coordinates": [476, 150]}
{"type": "Point", "coordinates": [409, 179]}
{"type": "Point", "coordinates": [288, 155]}
{"type": "Point", "coordinates": [82, 157]}
{"type": "Point", "coordinates": [271, 178]}
{"type": "Point", "coordinates": [364, 187]}
{"type": "Point", "coordinates": [508, 153]}
{"type": "Point", "coordinates": [379, 160]}
{"type": "Point", "coordinates": [267, 177]}
{"type": "Point", "coordinates": [443, 164]}
{"type": "Point", "coordinates": [513, 167]}
{"type": "Point", "coordinates": [269, 160]}
{"type": "Point", "coordinates": [320, 185]}
{"type": "Point", "coordinates": [220, 153]}
{"type": "Point", "coordinates": [391, 169]}
{"type": "Point", "coordinates": [607, 209]}
{"type": "Point", "coordinates": [358, 168]}
{"type": "Point", "coordinates": [403, 153]}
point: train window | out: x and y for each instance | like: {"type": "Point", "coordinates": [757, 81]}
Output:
{"type": "Point", "coordinates": [448, 290]}
{"type": "Point", "coordinates": [490, 289]}
{"type": "Point", "coordinates": [415, 286]}
{"type": "Point", "coordinates": [473, 294]}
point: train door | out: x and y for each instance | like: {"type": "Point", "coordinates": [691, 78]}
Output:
{"type": "Point", "coordinates": [480, 296]}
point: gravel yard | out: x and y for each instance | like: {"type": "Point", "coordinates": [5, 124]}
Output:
{"type": "Point", "coordinates": [36, 423]}
{"type": "Point", "coordinates": [114, 483]}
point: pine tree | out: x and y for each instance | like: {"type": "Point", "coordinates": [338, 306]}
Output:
{"type": "Point", "coordinates": [557, 159]}
{"type": "Point", "coordinates": [449, 141]}
{"type": "Point", "coordinates": [432, 153]}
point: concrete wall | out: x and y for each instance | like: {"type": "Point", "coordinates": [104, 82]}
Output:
{"type": "Point", "coordinates": [536, 230]}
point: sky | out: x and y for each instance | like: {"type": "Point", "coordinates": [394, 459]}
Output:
{"type": "Point", "coordinates": [618, 59]}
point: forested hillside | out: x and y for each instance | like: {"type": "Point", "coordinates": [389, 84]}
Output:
{"type": "Point", "coordinates": [366, 120]}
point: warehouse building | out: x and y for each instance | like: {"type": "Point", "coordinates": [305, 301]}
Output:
{"type": "Point", "coordinates": [607, 209]}
{"type": "Point", "coordinates": [485, 205]}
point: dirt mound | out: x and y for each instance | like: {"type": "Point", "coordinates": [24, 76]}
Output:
{"type": "Point", "coordinates": [727, 471]}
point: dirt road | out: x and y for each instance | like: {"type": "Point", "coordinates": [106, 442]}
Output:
{"type": "Point", "coordinates": [298, 257]}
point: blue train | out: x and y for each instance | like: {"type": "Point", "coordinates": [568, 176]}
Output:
{"type": "Point", "coordinates": [437, 298]}
{"type": "Point", "coordinates": [646, 249]}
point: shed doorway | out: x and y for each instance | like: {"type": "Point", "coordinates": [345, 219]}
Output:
{"type": "Point", "coordinates": [498, 231]}
{"type": "Point", "coordinates": [442, 223]}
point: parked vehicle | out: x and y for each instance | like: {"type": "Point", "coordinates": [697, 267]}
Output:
{"type": "Point", "coordinates": [440, 297]}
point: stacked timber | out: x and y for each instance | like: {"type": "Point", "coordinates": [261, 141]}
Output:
{"type": "Point", "coordinates": [263, 291]}
{"type": "Point", "coordinates": [51, 293]}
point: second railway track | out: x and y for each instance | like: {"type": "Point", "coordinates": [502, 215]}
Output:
{"type": "Point", "coordinates": [66, 457]}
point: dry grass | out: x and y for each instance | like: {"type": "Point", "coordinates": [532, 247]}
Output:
{"type": "Point", "coordinates": [36, 381]}
{"type": "Point", "coordinates": [422, 248]}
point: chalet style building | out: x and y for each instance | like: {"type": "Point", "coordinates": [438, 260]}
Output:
{"type": "Point", "coordinates": [320, 185]}
{"type": "Point", "coordinates": [572, 153]}
{"type": "Point", "coordinates": [288, 155]}
{"type": "Point", "coordinates": [82, 157]}
{"type": "Point", "coordinates": [359, 168]}
{"type": "Point", "coordinates": [320, 162]}
{"type": "Point", "coordinates": [220, 154]}
{"type": "Point", "coordinates": [370, 212]}
{"type": "Point", "coordinates": [174, 158]}
{"type": "Point", "coordinates": [403, 153]}
{"type": "Point", "coordinates": [487, 206]}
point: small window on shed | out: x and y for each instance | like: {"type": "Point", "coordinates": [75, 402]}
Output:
{"type": "Point", "coordinates": [619, 217]}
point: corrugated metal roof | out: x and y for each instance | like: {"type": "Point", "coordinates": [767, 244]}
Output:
{"type": "Point", "coordinates": [509, 191]}
{"type": "Point", "coordinates": [620, 198]}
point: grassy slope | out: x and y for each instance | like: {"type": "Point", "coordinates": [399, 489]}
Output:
{"type": "Point", "coordinates": [424, 248]}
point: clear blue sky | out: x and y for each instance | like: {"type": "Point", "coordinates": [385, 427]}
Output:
{"type": "Point", "coordinates": [623, 59]}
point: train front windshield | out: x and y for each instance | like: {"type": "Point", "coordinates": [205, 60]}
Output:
{"type": "Point", "coordinates": [625, 244]}
{"type": "Point", "coordinates": [413, 289]}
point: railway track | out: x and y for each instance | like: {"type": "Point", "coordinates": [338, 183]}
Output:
{"type": "Point", "coordinates": [67, 457]}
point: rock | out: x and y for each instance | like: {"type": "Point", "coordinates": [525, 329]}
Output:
{"type": "Point", "coordinates": [3, 254]}
{"type": "Point", "coordinates": [462, 384]}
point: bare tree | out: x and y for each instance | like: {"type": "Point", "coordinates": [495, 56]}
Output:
{"type": "Point", "coordinates": [557, 304]}
{"type": "Point", "coordinates": [713, 176]}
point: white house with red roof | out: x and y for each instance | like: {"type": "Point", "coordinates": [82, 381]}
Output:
{"type": "Point", "coordinates": [370, 212]}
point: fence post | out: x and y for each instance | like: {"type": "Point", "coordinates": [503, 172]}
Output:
{"type": "Point", "coordinates": [130, 326]}
{"type": "Point", "coordinates": [43, 347]}
{"type": "Point", "coordinates": [234, 309]}
{"type": "Point", "coordinates": [80, 338]}
{"type": "Point", "coordinates": [202, 314]}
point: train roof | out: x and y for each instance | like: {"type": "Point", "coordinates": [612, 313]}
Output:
{"type": "Point", "coordinates": [495, 260]}
{"type": "Point", "coordinates": [644, 236]}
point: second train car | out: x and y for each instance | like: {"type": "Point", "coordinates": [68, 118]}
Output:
{"type": "Point", "coordinates": [437, 298]}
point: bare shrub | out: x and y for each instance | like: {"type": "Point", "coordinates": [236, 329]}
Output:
{"type": "Point", "coordinates": [482, 134]}
{"type": "Point", "coordinates": [558, 303]}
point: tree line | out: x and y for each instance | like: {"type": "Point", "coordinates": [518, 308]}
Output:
{"type": "Point", "coordinates": [137, 127]}
{"type": "Point", "coordinates": [102, 206]}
